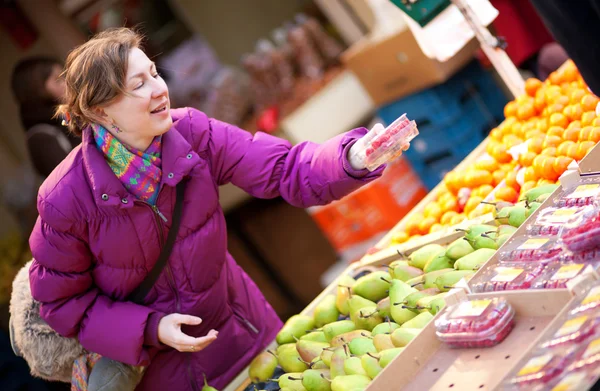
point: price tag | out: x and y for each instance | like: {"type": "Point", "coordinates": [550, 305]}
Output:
{"type": "Point", "coordinates": [507, 274]}
{"type": "Point", "coordinates": [533, 244]}
{"type": "Point", "coordinates": [571, 326]}
{"type": "Point", "coordinates": [535, 364]}
{"type": "Point", "coordinates": [570, 382]}
{"type": "Point", "coordinates": [567, 272]}
{"type": "Point", "coordinates": [592, 349]}
{"type": "Point", "coordinates": [471, 308]}
{"type": "Point", "coordinates": [561, 215]}
{"type": "Point", "coordinates": [592, 296]}
{"type": "Point", "coordinates": [583, 191]}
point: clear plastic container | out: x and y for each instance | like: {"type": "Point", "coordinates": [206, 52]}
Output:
{"type": "Point", "coordinates": [590, 303]}
{"type": "Point", "coordinates": [542, 368]}
{"type": "Point", "coordinates": [385, 145]}
{"type": "Point", "coordinates": [530, 249]}
{"type": "Point", "coordinates": [580, 195]}
{"type": "Point", "coordinates": [582, 231]}
{"type": "Point", "coordinates": [475, 323]}
{"type": "Point", "coordinates": [557, 274]}
{"type": "Point", "coordinates": [574, 330]}
{"type": "Point", "coordinates": [588, 355]}
{"type": "Point", "coordinates": [572, 380]}
{"type": "Point", "coordinates": [581, 256]}
{"type": "Point", "coordinates": [507, 276]}
{"type": "Point", "coordinates": [550, 220]}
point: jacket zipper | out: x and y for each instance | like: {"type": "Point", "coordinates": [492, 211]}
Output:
{"type": "Point", "coordinates": [246, 322]}
{"type": "Point", "coordinates": [158, 215]}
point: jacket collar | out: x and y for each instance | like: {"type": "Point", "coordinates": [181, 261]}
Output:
{"type": "Point", "coordinates": [178, 160]}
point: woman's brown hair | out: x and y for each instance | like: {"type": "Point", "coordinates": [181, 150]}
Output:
{"type": "Point", "coordinates": [95, 75]}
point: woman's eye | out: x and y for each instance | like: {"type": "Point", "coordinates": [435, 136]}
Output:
{"type": "Point", "coordinates": [156, 75]}
{"type": "Point", "coordinates": [139, 86]}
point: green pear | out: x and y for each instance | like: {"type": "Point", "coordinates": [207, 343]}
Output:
{"type": "Point", "coordinates": [439, 262]}
{"type": "Point", "coordinates": [419, 321]}
{"type": "Point", "coordinates": [397, 262]}
{"type": "Point", "coordinates": [295, 327]}
{"type": "Point", "coordinates": [326, 356]}
{"type": "Point", "coordinates": [374, 286]}
{"type": "Point", "coordinates": [371, 365]}
{"type": "Point", "coordinates": [386, 356]}
{"type": "Point", "coordinates": [384, 328]}
{"type": "Point", "coordinates": [474, 260]}
{"type": "Point", "coordinates": [337, 362]}
{"type": "Point", "coordinates": [411, 300]}
{"type": "Point", "coordinates": [383, 342]}
{"type": "Point", "coordinates": [502, 239]}
{"type": "Point", "coordinates": [383, 307]}
{"type": "Point", "coordinates": [360, 346]}
{"type": "Point", "coordinates": [366, 318]}
{"type": "Point", "coordinates": [316, 380]}
{"type": "Point", "coordinates": [506, 230]}
{"type": "Point", "coordinates": [317, 336]}
{"type": "Point", "coordinates": [343, 291]}
{"type": "Point", "coordinates": [318, 363]}
{"type": "Point", "coordinates": [475, 230]}
{"type": "Point", "coordinates": [417, 282]}
{"type": "Point", "coordinates": [336, 328]}
{"type": "Point", "coordinates": [326, 312]}
{"type": "Point", "coordinates": [353, 366]}
{"type": "Point", "coordinates": [532, 207]}
{"type": "Point", "coordinates": [308, 350]}
{"type": "Point", "coordinates": [535, 194]}
{"type": "Point", "coordinates": [448, 280]}
{"type": "Point", "coordinates": [398, 292]}
{"type": "Point", "coordinates": [429, 278]}
{"type": "Point", "coordinates": [420, 257]}
{"type": "Point", "coordinates": [347, 337]}
{"type": "Point", "coordinates": [484, 240]}
{"type": "Point", "coordinates": [517, 216]}
{"type": "Point", "coordinates": [357, 302]}
{"type": "Point", "coordinates": [262, 367]}
{"type": "Point", "coordinates": [206, 387]}
{"type": "Point", "coordinates": [350, 383]}
{"type": "Point", "coordinates": [433, 304]}
{"type": "Point", "coordinates": [405, 272]}
{"type": "Point", "coordinates": [502, 215]}
{"type": "Point", "coordinates": [402, 336]}
{"type": "Point", "coordinates": [292, 380]}
{"type": "Point", "coordinates": [289, 359]}
{"type": "Point", "coordinates": [458, 249]}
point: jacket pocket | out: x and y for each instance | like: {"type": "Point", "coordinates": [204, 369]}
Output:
{"type": "Point", "coordinates": [247, 324]}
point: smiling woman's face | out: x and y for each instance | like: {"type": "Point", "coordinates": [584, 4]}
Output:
{"type": "Point", "coordinates": [143, 113]}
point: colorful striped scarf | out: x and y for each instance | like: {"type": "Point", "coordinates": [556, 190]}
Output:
{"type": "Point", "coordinates": [139, 171]}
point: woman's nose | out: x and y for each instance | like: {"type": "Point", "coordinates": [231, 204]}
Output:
{"type": "Point", "coordinates": [159, 88]}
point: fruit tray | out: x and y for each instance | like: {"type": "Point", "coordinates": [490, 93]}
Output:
{"type": "Point", "coordinates": [556, 274]}
{"type": "Point", "coordinates": [476, 323]}
{"type": "Point", "coordinates": [582, 194]}
{"type": "Point", "coordinates": [550, 220]}
{"type": "Point", "coordinates": [530, 249]}
{"type": "Point", "coordinates": [582, 231]}
{"type": "Point", "coordinates": [574, 330]}
{"type": "Point", "coordinates": [506, 277]}
{"type": "Point", "coordinates": [430, 364]}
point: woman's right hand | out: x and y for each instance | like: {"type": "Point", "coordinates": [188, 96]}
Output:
{"type": "Point", "coordinates": [169, 333]}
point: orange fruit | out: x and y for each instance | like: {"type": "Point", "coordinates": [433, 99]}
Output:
{"type": "Point", "coordinates": [541, 125]}
{"type": "Point", "coordinates": [589, 102]}
{"type": "Point", "coordinates": [571, 134]}
{"type": "Point", "coordinates": [584, 148]}
{"type": "Point", "coordinates": [543, 181]}
{"type": "Point", "coordinates": [574, 113]}
{"type": "Point", "coordinates": [507, 193]}
{"type": "Point", "coordinates": [426, 224]}
{"type": "Point", "coordinates": [540, 101]}
{"type": "Point", "coordinates": [551, 141]}
{"type": "Point", "coordinates": [547, 169]}
{"type": "Point", "coordinates": [412, 225]}
{"type": "Point", "coordinates": [530, 174]}
{"type": "Point", "coordinates": [559, 119]}
{"type": "Point", "coordinates": [550, 151]}
{"type": "Point", "coordinates": [587, 118]}
{"type": "Point", "coordinates": [560, 164]}
{"type": "Point", "coordinates": [443, 195]}
{"type": "Point", "coordinates": [528, 185]}
{"type": "Point", "coordinates": [569, 72]}
{"type": "Point", "coordinates": [476, 178]}
{"type": "Point", "coordinates": [449, 205]}
{"type": "Point", "coordinates": [458, 219]}
{"type": "Point", "coordinates": [594, 134]}
{"type": "Point", "coordinates": [573, 151]}
{"type": "Point", "coordinates": [526, 158]}
{"type": "Point", "coordinates": [555, 78]}
{"type": "Point", "coordinates": [564, 147]}
{"type": "Point", "coordinates": [535, 144]}
{"type": "Point", "coordinates": [584, 134]}
{"type": "Point", "coordinates": [576, 95]}
{"type": "Point", "coordinates": [555, 108]}
{"type": "Point", "coordinates": [510, 140]}
{"type": "Point", "coordinates": [596, 122]}
{"type": "Point", "coordinates": [562, 100]}
{"type": "Point", "coordinates": [472, 203]}
{"type": "Point", "coordinates": [487, 165]}
{"type": "Point", "coordinates": [496, 134]}
{"type": "Point", "coordinates": [436, 227]}
{"type": "Point", "coordinates": [499, 152]}
{"type": "Point", "coordinates": [510, 110]}
{"type": "Point", "coordinates": [574, 125]}
{"type": "Point", "coordinates": [400, 237]}
{"type": "Point", "coordinates": [447, 217]}
{"type": "Point", "coordinates": [498, 176]}
{"type": "Point", "coordinates": [533, 134]}
{"type": "Point", "coordinates": [555, 131]}
{"type": "Point", "coordinates": [434, 210]}
{"type": "Point", "coordinates": [511, 180]}
{"type": "Point", "coordinates": [525, 111]}
{"type": "Point", "coordinates": [483, 190]}
{"type": "Point", "coordinates": [532, 85]}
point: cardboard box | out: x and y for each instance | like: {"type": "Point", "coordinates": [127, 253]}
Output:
{"type": "Point", "coordinates": [394, 66]}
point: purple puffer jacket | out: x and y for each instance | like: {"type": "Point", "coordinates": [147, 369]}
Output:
{"type": "Point", "coordinates": [94, 243]}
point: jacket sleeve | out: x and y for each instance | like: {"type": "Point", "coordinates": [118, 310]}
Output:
{"type": "Point", "coordinates": [61, 280]}
{"type": "Point", "coordinates": [265, 166]}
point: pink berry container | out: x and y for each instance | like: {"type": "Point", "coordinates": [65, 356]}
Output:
{"type": "Point", "coordinates": [541, 369]}
{"type": "Point", "coordinates": [475, 323]}
{"type": "Point", "coordinates": [590, 303]}
{"type": "Point", "coordinates": [507, 277]}
{"type": "Point", "coordinates": [387, 144]}
{"type": "Point", "coordinates": [557, 274]}
{"type": "Point", "coordinates": [550, 220]}
{"type": "Point", "coordinates": [585, 193]}
{"type": "Point", "coordinates": [574, 330]}
{"type": "Point", "coordinates": [582, 231]}
{"type": "Point", "coordinates": [530, 249]}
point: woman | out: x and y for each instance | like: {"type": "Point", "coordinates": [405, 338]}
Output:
{"type": "Point", "coordinates": [38, 87]}
{"type": "Point", "coordinates": [107, 207]}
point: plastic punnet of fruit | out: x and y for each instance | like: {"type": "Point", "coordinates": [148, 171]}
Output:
{"type": "Point", "coordinates": [505, 277]}
{"type": "Point", "coordinates": [550, 220]}
{"type": "Point", "coordinates": [531, 249]}
{"type": "Point", "coordinates": [541, 369]}
{"type": "Point", "coordinates": [574, 330]}
{"type": "Point", "coordinates": [582, 231]}
{"type": "Point", "coordinates": [557, 274]}
{"type": "Point", "coordinates": [475, 323]}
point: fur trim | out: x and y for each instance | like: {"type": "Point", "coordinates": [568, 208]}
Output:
{"type": "Point", "coordinates": [49, 355]}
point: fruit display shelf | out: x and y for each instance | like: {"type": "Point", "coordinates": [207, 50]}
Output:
{"type": "Point", "coordinates": [429, 364]}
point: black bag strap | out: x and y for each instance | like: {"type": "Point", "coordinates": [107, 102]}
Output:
{"type": "Point", "coordinates": [139, 293]}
